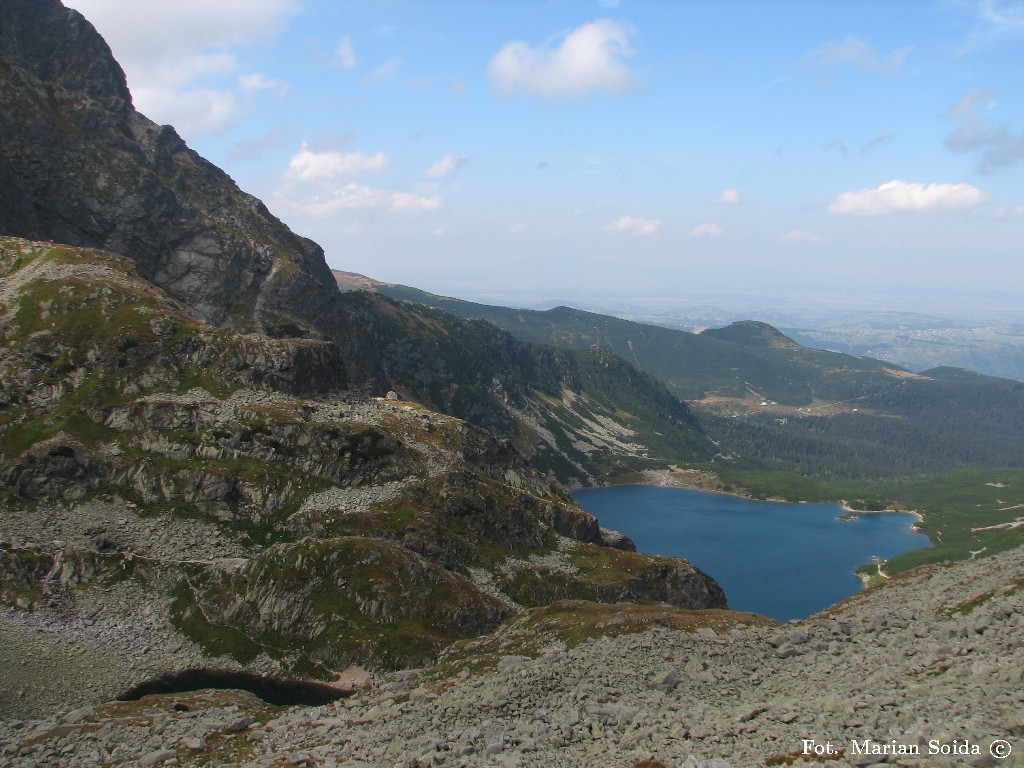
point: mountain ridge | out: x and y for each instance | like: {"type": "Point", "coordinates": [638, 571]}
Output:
{"type": "Point", "coordinates": [773, 404]}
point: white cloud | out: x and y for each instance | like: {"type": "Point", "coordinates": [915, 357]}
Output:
{"type": "Point", "coordinates": [997, 146]}
{"type": "Point", "coordinates": [196, 110]}
{"type": "Point", "coordinates": [801, 236]}
{"type": "Point", "coordinates": [1004, 212]}
{"type": "Point", "coordinates": [354, 196]}
{"type": "Point", "coordinates": [855, 52]}
{"type": "Point", "coordinates": [174, 53]}
{"type": "Point", "coordinates": [706, 229]}
{"type": "Point", "coordinates": [899, 196]}
{"type": "Point", "coordinates": [384, 72]}
{"type": "Point", "coordinates": [346, 53]}
{"type": "Point", "coordinates": [634, 224]}
{"type": "Point", "coordinates": [308, 165]}
{"type": "Point", "coordinates": [517, 229]}
{"type": "Point", "coordinates": [407, 201]}
{"type": "Point", "coordinates": [997, 22]}
{"type": "Point", "coordinates": [258, 82]}
{"type": "Point", "coordinates": [729, 197]}
{"type": "Point", "coordinates": [316, 184]}
{"type": "Point", "coordinates": [446, 165]}
{"type": "Point", "coordinates": [590, 58]}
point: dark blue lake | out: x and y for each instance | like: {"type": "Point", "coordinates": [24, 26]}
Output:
{"type": "Point", "coordinates": [787, 561]}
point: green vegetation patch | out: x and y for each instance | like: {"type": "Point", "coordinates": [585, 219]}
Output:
{"type": "Point", "coordinates": [319, 605]}
{"type": "Point", "coordinates": [967, 513]}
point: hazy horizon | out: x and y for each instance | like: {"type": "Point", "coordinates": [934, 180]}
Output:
{"type": "Point", "coordinates": [840, 153]}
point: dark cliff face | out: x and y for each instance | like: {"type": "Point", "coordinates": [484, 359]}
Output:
{"type": "Point", "coordinates": [81, 166]}
{"type": "Point", "coordinates": [56, 45]}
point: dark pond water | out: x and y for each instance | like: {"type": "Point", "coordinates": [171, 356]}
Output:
{"type": "Point", "coordinates": [787, 561]}
{"type": "Point", "coordinates": [273, 690]}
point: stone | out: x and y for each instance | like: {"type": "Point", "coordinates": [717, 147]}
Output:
{"type": "Point", "coordinates": [157, 757]}
{"type": "Point", "coordinates": [665, 681]}
{"type": "Point", "coordinates": [239, 725]}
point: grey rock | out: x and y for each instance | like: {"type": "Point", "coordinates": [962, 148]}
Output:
{"type": "Point", "coordinates": [665, 681]}
{"type": "Point", "coordinates": [239, 725]}
{"type": "Point", "coordinates": [157, 757]}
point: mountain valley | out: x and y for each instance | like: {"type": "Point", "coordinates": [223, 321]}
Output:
{"type": "Point", "coordinates": [214, 458]}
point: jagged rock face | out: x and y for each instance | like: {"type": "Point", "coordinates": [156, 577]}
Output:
{"type": "Point", "coordinates": [81, 166]}
{"type": "Point", "coordinates": [69, 51]}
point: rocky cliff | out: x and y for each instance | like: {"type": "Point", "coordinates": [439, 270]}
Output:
{"type": "Point", "coordinates": [83, 167]}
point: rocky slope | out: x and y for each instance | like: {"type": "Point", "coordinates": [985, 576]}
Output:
{"type": "Point", "coordinates": [180, 491]}
{"type": "Point", "coordinates": [930, 663]}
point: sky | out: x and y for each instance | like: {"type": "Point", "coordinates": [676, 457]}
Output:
{"type": "Point", "coordinates": [641, 148]}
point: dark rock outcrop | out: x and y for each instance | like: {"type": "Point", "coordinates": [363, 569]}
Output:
{"type": "Point", "coordinates": [83, 167]}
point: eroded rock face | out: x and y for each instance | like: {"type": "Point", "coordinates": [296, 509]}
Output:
{"type": "Point", "coordinates": [81, 166]}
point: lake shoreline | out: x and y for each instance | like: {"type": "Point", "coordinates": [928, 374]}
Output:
{"type": "Point", "coordinates": [705, 481]}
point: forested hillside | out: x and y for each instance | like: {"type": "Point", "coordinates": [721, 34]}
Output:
{"type": "Point", "coordinates": [582, 414]}
{"type": "Point", "coordinates": [770, 403]}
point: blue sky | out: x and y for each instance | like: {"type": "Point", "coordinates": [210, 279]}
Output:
{"type": "Point", "coordinates": [642, 148]}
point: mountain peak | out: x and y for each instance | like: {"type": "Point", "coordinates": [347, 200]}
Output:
{"type": "Point", "coordinates": [752, 333]}
{"type": "Point", "coordinates": [82, 167]}
{"type": "Point", "coordinates": [60, 48]}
